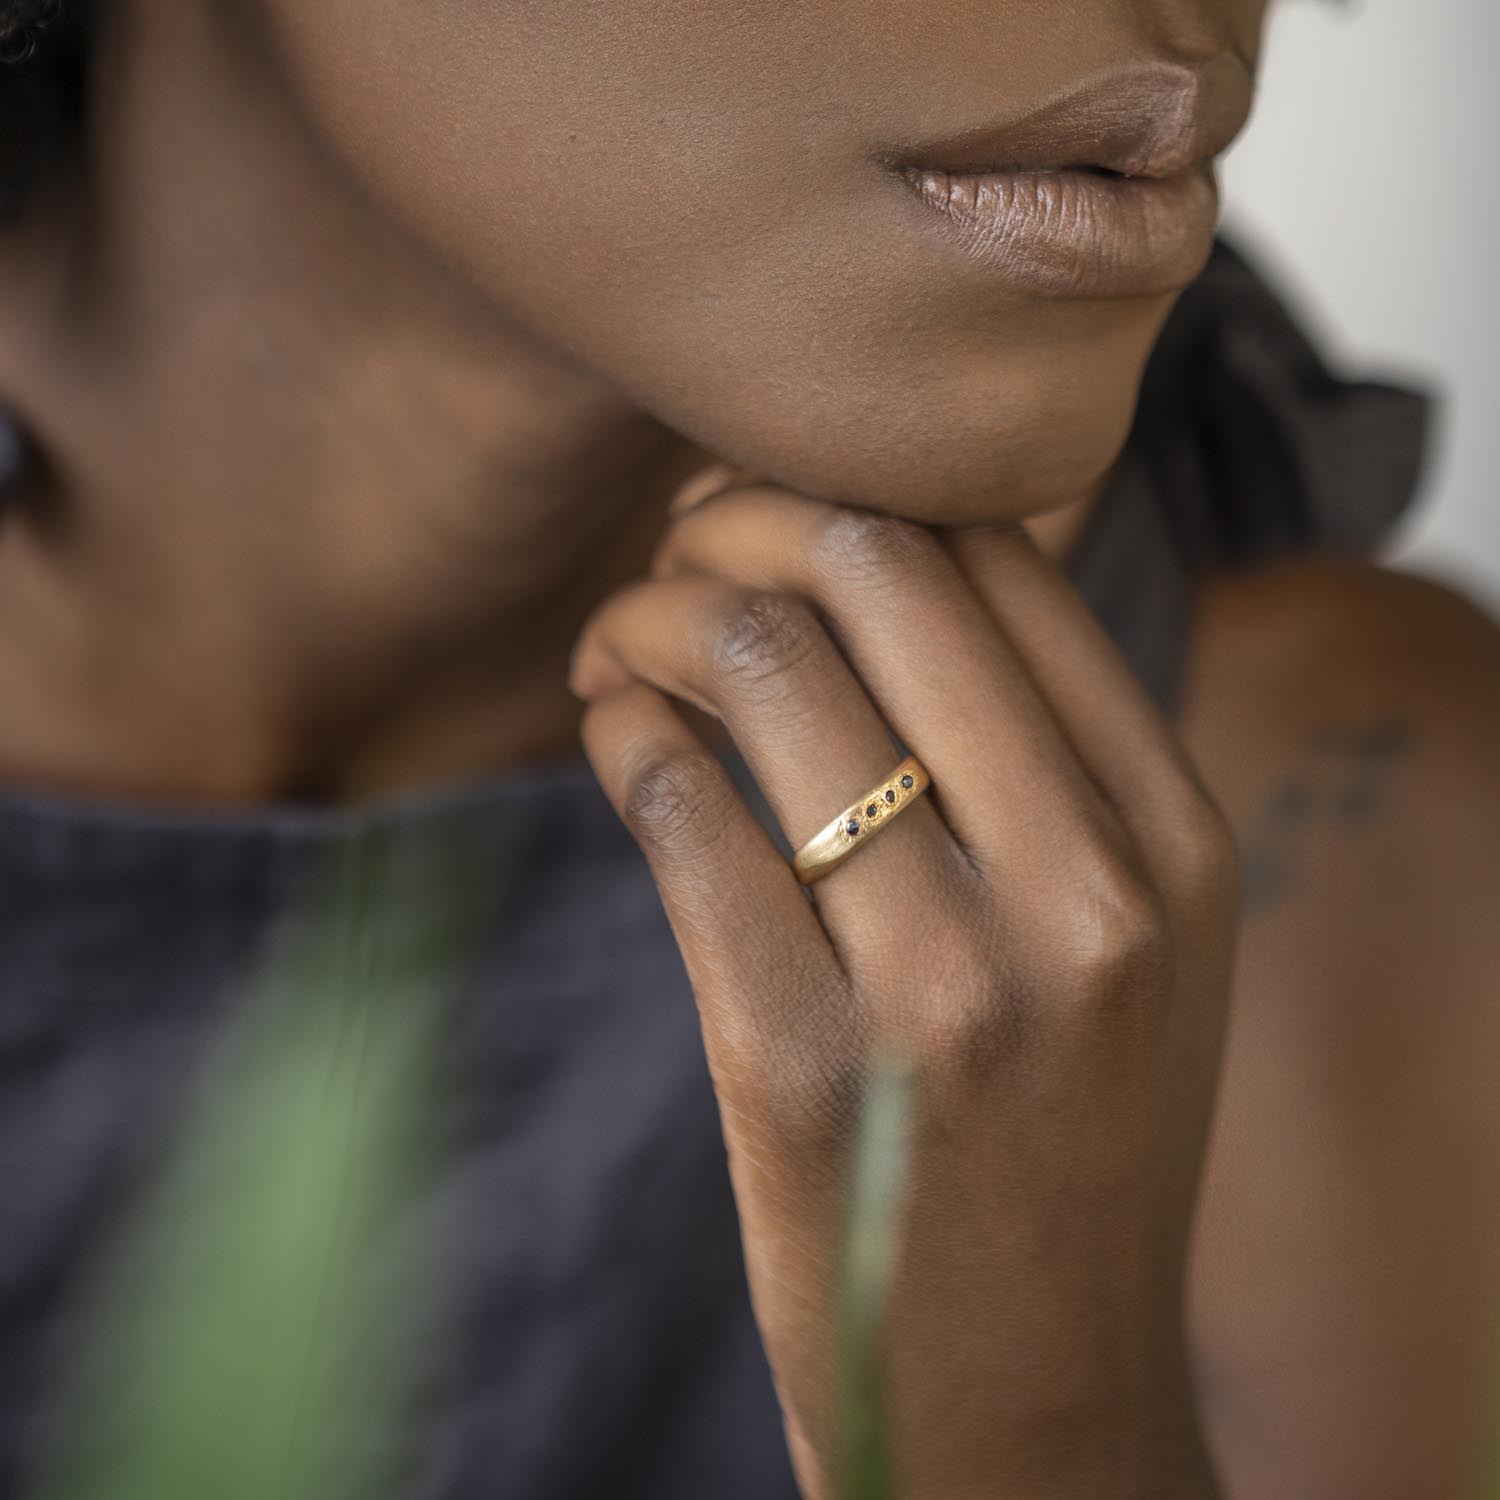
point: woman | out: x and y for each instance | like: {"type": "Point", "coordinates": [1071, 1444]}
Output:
{"type": "Point", "coordinates": [359, 352]}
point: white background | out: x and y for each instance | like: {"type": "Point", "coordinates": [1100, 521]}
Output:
{"type": "Point", "coordinates": [1367, 184]}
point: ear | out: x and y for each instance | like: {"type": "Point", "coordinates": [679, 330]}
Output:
{"type": "Point", "coordinates": [38, 100]}
{"type": "Point", "coordinates": [30, 120]}
{"type": "Point", "coordinates": [45, 61]}
{"type": "Point", "coordinates": [19, 331]}
{"type": "Point", "coordinates": [28, 250]}
{"type": "Point", "coordinates": [10, 456]}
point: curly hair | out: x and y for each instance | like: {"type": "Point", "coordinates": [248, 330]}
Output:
{"type": "Point", "coordinates": [43, 58]}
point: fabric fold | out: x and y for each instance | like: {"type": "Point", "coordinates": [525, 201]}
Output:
{"type": "Point", "coordinates": [1248, 448]}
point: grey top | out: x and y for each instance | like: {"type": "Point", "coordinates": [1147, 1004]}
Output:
{"type": "Point", "coordinates": [579, 1210]}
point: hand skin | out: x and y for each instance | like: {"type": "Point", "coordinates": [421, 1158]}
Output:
{"type": "Point", "coordinates": [1049, 933]}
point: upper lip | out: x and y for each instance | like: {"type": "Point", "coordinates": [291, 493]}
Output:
{"type": "Point", "coordinates": [1155, 119]}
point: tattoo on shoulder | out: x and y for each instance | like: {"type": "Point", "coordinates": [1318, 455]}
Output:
{"type": "Point", "coordinates": [1347, 777]}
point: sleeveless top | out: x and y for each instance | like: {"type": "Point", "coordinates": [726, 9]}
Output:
{"type": "Point", "coordinates": [578, 1211]}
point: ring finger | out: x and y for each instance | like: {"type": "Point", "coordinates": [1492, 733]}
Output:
{"type": "Point", "coordinates": [764, 664]}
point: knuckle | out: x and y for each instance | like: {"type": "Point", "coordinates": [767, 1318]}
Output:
{"type": "Point", "coordinates": [815, 1100]}
{"type": "Point", "coordinates": [1206, 861]}
{"type": "Point", "coordinates": [987, 1032]}
{"type": "Point", "coordinates": [676, 801]}
{"type": "Point", "coordinates": [969, 1018]}
{"type": "Point", "coordinates": [809, 1086]}
{"type": "Point", "coordinates": [861, 546]}
{"type": "Point", "coordinates": [764, 635]}
{"type": "Point", "coordinates": [1121, 940]}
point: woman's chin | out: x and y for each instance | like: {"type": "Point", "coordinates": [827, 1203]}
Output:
{"type": "Point", "coordinates": [971, 452]}
{"type": "Point", "coordinates": [971, 468]}
{"type": "Point", "coordinates": [1008, 491]}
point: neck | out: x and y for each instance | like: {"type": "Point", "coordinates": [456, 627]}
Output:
{"type": "Point", "coordinates": [317, 520]}
{"type": "Point", "coordinates": [314, 519]}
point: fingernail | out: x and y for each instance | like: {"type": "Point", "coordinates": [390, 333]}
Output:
{"type": "Point", "coordinates": [707, 483]}
{"type": "Point", "coordinates": [576, 684]}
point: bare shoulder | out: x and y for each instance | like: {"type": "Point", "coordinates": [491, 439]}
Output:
{"type": "Point", "coordinates": [1347, 717]}
{"type": "Point", "coordinates": [1344, 709]}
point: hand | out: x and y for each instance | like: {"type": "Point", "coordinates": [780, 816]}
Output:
{"type": "Point", "coordinates": [1048, 933]}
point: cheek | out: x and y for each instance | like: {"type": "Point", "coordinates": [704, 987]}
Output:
{"type": "Point", "coordinates": [673, 209]}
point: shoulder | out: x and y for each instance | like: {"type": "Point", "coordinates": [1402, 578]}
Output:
{"type": "Point", "coordinates": [1347, 717]}
{"type": "Point", "coordinates": [1343, 706]}
{"type": "Point", "coordinates": [1294, 633]}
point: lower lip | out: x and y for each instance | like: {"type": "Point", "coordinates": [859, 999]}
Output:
{"type": "Point", "coordinates": [1076, 234]}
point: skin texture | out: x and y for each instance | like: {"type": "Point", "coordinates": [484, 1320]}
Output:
{"type": "Point", "coordinates": [363, 363]}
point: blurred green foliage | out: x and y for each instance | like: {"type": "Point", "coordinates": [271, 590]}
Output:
{"type": "Point", "coordinates": [259, 1325]}
{"type": "Point", "coordinates": [872, 1245]}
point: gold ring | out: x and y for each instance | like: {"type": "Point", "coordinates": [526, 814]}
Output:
{"type": "Point", "coordinates": [861, 821]}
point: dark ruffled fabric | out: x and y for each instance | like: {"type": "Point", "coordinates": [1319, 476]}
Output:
{"type": "Point", "coordinates": [1247, 449]}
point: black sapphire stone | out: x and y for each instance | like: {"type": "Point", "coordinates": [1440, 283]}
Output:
{"type": "Point", "coordinates": [852, 826]}
{"type": "Point", "coordinates": [907, 780]}
{"type": "Point", "coordinates": [872, 809]}
{"type": "Point", "coordinates": [890, 796]}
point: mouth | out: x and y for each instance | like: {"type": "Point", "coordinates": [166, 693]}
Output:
{"type": "Point", "coordinates": [1106, 191]}
{"type": "Point", "coordinates": [1078, 232]}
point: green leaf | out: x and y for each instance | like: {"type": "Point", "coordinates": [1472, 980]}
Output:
{"type": "Point", "coordinates": [872, 1244]}
{"type": "Point", "coordinates": [257, 1329]}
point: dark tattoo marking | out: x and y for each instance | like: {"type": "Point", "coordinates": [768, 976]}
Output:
{"type": "Point", "coordinates": [1348, 778]}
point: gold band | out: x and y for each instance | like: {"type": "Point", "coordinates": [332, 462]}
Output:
{"type": "Point", "coordinates": [861, 821]}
